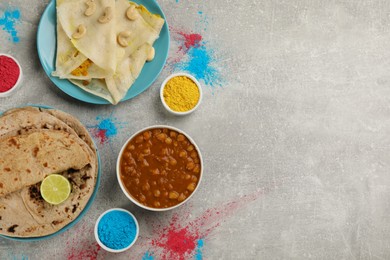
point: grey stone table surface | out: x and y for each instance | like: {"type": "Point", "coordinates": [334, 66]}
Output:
{"type": "Point", "coordinates": [294, 129]}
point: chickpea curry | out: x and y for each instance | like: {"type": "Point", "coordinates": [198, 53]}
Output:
{"type": "Point", "coordinates": [160, 168]}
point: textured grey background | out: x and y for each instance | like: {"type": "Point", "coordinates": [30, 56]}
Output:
{"type": "Point", "coordinates": [303, 114]}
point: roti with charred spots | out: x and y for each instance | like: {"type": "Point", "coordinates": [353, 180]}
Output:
{"type": "Point", "coordinates": [35, 143]}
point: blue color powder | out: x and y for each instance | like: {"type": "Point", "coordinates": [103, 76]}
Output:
{"type": "Point", "coordinates": [147, 256]}
{"type": "Point", "coordinates": [200, 65]}
{"type": "Point", "coordinates": [199, 253]}
{"type": "Point", "coordinates": [7, 22]}
{"type": "Point", "coordinates": [109, 126]}
{"type": "Point", "coordinates": [117, 229]}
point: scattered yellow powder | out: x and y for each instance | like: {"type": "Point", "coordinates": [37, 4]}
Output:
{"type": "Point", "coordinates": [82, 70]}
{"type": "Point", "coordinates": [181, 94]}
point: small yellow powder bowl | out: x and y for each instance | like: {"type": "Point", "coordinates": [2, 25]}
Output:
{"type": "Point", "coordinates": [181, 94]}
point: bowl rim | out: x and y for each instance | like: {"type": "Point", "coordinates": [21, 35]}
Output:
{"type": "Point", "coordinates": [178, 113]}
{"type": "Point", "coordinates": [97, 235]}
{"type": "Point", "coordinates": [17, 83]}
{"type": "Point", "coordinates": [123, 188]}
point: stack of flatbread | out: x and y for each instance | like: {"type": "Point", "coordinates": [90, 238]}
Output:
{"type": "Point", "coordinates": [35, 143]}
{"type": "Point", "coordinates": [102, 45]}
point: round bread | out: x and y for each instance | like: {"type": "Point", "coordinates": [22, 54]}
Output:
{"type": "Point", "coordinates": [23, 212]}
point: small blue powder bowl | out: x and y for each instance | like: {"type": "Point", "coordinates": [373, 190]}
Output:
{"type": "Point", "coordinates": [116, 230]}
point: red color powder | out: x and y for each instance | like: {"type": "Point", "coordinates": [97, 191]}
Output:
{"type": "Point", "coordinates": [191, 40]}
{"type": "Point", "coordinates": [100, 134]}
{"type": "Point", "coordinates": [9, 73]}
{"type": "Point", "coordinates": [177, 242]}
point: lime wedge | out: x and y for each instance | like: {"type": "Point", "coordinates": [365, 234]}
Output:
{"type": "Point", "coordinates": [55, 189]}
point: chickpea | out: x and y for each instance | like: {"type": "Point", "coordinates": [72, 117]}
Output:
{"type": "Point", "coordinates": [191, 186]}
{"type": "Point", "coordinates": [142, 198]}
{"type": "Point", "coordinates": [155, 171]}
{"type": "Point", "coordinates": [187, 176]}
{"type": "Point", "coordinates": [157, 204]}
{"type": "Point", "coordinates": [181, 197]}
{"type": "Point", "coordinates": [161, 137]}
{"type": "Point", "coordinates": [172, 161]}
{"type": "Point", "coordinates": [146, 151]}
{"type": "Point", "coordinates": [180, 138]}
{"type": "Point", "coordinates": [194, 178]}
{"type": "Point", "coordinates": [190, 166]}
{"type": "Point", "coordinates": [131, 161]}
{"type": "Point", "coordinates": [196, 160]}
{"type": "Point", "coordinates": [168, 140]}
{"type": "Point", "coordinates": [194, 155]}
{"type": "Point", "coordinates": [175, 143]}
{"type": "Point", "coordinates": [172, 134]}
{"type": "Point", "coordinates": [190, 148]}
{"type": "Point", "coordinates": [145, 187]}
{"type": "Point", "coordinates": [173, 195]}
{"type": "Point", "coordinates": [164, 151]}
{"type": "Point", "coordinates": [131, 147]}
{"type": "Point", "coordinates": [156, 193]}
{"type": "Point", "coordinates": [145, 162]}
{"type": "Point", "coordinates": [139, 139]}
{"type": "Point", "coordinates": [127, 155]}
{"type": "Point", "coordinates": [196, 169]}
{"type": "Point", "coordinates": [182, 154]}
{"type": "Point", "coordinates": [140, 157]}
{"type": "Point", "coordinates": [147, 135]}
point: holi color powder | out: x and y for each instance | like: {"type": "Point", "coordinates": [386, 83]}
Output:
{"type": "Point", "coordinates": [147, 256]}
{"type": "Point", "coordinates": [199, 253]}
{"type": "Point", "coordinates": [200, 64]}
{"type": "Point", "coordinates": [7, 23]}
{"type": "Point", "coordinates": [105, 129]}
{"type": "Point", "coordinates": [185, 239]}
{"type": "Point", "coordinates": [194, 56]}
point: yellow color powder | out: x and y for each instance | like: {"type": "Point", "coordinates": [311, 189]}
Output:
{"type": "Point", "coordinates": [181, 94]}
{"type": "Point", "coordinates": [82, 70]}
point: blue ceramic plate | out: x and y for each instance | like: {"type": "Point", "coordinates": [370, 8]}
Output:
{"type": "Point", "coordinates": [47, 43]}
{"type": "Point", "coordinates": [78, 218]}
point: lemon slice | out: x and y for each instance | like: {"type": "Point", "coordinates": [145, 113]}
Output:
{"type": "Point", "coordinates": [55, 189]}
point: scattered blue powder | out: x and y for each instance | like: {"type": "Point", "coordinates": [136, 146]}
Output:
{"type": "Point", "coordinates": [147, 256]}
{"type": "Point", "coordinates": [109, 127]}
{"type": "Point", "coordinates": [200, 65]}
{"type": "Point", "coordinates": [7, 22]}
{"type": "Point", "coordinates": [117, 229]}
{"type": "Point", "coordinates": [199, 253]}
